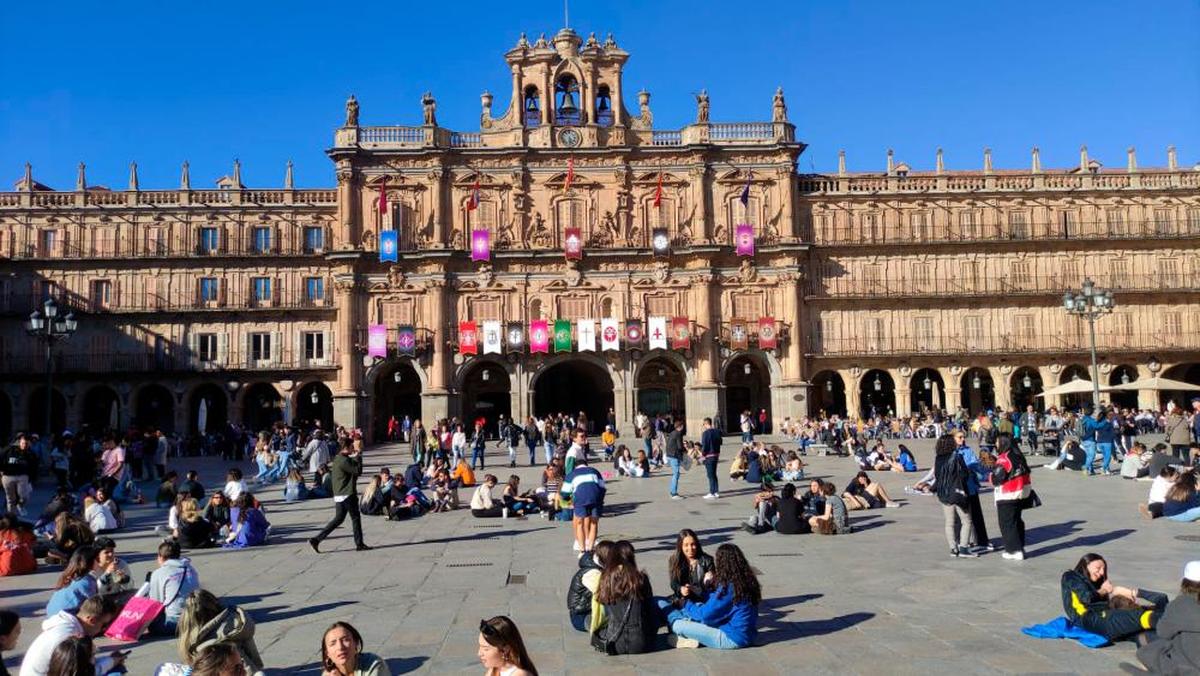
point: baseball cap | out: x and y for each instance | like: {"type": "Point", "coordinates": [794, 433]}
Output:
{"type": "Point", "coordinates": [1192, 571]}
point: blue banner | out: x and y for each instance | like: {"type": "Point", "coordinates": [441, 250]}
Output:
{"type": "Point", "coordinates": [389, 244]}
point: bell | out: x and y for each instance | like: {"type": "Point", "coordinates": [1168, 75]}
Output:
{"type": "Point", "coordinates": [531, 104]}
{"type": "Point", "coordinates": [568, 105]}
{"type": "Point", "coordinates": [603, 107]}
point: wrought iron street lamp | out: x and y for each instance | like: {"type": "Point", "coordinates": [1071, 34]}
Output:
{"type": "Point", "coordinates": [46, 325]}
{"type": "Point", "coordinates": [1090, 303]}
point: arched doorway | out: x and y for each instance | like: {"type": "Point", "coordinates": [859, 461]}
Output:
{"type": "Point", "coordinates": [314, 403]}
{"type": "Point", "coordinates": [572, 386]}
{"type": "Point", "coordinates": [155, 409]}
{"type": "Point", "coordinates": [6, 419]}
{"type": "Point", "coordinates": [101, 410]}
{"type": "Point", "coordinates": [877, 392]}
{"type": "Point", "coordinates": [1075, 400]}
{"type": "Point", "coordinates": [978, 391]}
{"type": "Point", "coordinates": [1188, 373]}
{"type": "Point", "coordinates": [747, 388]}
{"type": "Point", "coordinates": [1121, 375]}
{"type": "Point", "coordinates": [1024, 386]}
{"type": "Point", "coordinates": [927, 391]}
{"type": "Point", "coordinates": [262, 407]}
{"type": "Point", "coordinates": [37, 411]}
{"type": "Point", "coordinates": [397, 393]}
{"type": "Point", "coordinates": [486, 394]}
{"type": "Point", "coordinates": [828, 395]}
{"type": "Point", "coordinates": [216, 409]}
{"type": "Point", "coordinates": [660, 387]}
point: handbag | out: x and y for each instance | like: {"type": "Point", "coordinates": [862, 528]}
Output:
{"type": "Point", "coordinates": [1032, 501]}
{"type": "Point", "coordinates": [608, 646]}
{"type": "Point", "coordinates": [137, 614]}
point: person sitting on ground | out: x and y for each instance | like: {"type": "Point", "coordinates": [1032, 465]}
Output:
{"type": "Point", "coordinates": [70, 533]}
{"type": "Point", "coordinates": [399, 505]}
{"type": "Point", "coordinates": [322, 483]}
{"type": "Point", "coordinates": [170, 585]}
{"type": "Point", "coordinates": [1094, 604]}
{"type": "Point", "coordinates": [414, 474]}
{"type": "Point", "coordinates": [171, 530]}
{"type": "Point", "coordinates": [61, 502]}
{"type": "Point", "coordinates": [762, 519]}
{"type": "Point", "coordinates": [192, 486]}
{"type": "Point", "coordinates": [445, 495]}
{"type": "Point", "coordinates": [342, 653]}
{"type": "Point", "coordinates": [790, 513]}
{"type": "Point", "coordinates": [862, 493]}
{"type": "Point", "coordinates": [794, 469]}
{"type": "Point", "coordinates": [99, 517]}
{"type": "Point", "coordinates": [265, 460]}
{"type": "Point", "coordinates": [94, 615]}
{"type": "Point", "coordinates": [728, 618]}
{"type": "Point", "coordinates": [689, 568]}
{"type": "Point", "coordinates": [167, 490]}
{"type": "Point", "coordinates": [16, 547]}
{"type": "Point", "coordinates": [10, 633]}
{"type": "Point", "coordinates": [1176, 650]}
{"type": "Point", "coordinates": [76, 583]}
{"type": "Point", "coordinates": [482, 505]}
{"type": "Point", "coordinates": [547, 495]}
{"type": "Point", "coordinates": [1153, 507]}
{"type": "Point", "coordinates": [294, 489]}
{"type": "Point", "coordinates": [248, 526]}
{"type": "Point", "coordinates": [73, 656]}
{"type": "Point", "coordinates": [214, 659]}
{"type": "Point", "coordinates": [835, 520]}
{"type": "Point", "coordinates": [581, 592]}
{"type": "Point", "coordinates": [205, 622]}
{"type": "Point", "coordinates": [624, 461]}
{"type": "Point", "coordinates": [754, 470]}
{"type": "Point", "coordinates": [501, 650]}
{"type": "Point", "coordinates": [631, 616]}
{"type": "Point", "coordinates": [904, 461]}
{"type": "Point", "coordinates": [516, 502]}
{"type": "Point", "coordinates": [463, 476]}
{"type": "Point", "coordinates": [374, 497]}
{"type": "Point", "coordinates": [113, 576]}
{"type": "Point", "coordinates": [1183, 501]}
{"type": "Point", "coordinates": [234, 486]}
{"type": "Point", "coordinates": [216, 513]}
{"type": "Point", "coordinates": [1136, 463]}
{"type": "Point", "coordinates": [737, 468]}
{"type": "Point", "coordinates": [813, 499]}
{"type": "Point", "coordinates": [192, 530]}
{"type": "Point", "coordinates": [641, 465]}
{"type": "Point", "coordinates": [879, 459]}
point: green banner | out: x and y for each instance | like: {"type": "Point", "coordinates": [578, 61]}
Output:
{"type": "Point", "coordinates": [562, 335]}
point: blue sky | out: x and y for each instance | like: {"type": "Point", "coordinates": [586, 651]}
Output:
{"type": "Point", "coordinates": [110, 82]}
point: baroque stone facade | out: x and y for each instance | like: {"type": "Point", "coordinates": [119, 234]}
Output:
{"type": "Point", "coordinates": [256, 303]}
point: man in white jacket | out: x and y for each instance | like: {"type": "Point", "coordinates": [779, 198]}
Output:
{"type": "Point", "coordinates": [94, 615]}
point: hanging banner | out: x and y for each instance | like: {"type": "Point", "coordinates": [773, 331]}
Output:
{"type": "Point", "coordinates": [610, 336]}
{"type": "Point", "coordinates": [389, 246]}
{"type": "Point", "coordinates": [744, 239]}
{"type": "Point", "coordinates": [377, 340]}
{"type": "Point", "coordinates": [481, 245]}
{"type": "Point", "coordinates": [539, 336]}
{"type": "Point", "coordinates": [658, 333]}
{"type": "Point", "coordinates": [739, 335]}
{"type": "Point", "coordinates": [587, 335]}
{"type": "Point", "coordinates": [562, 335]}
{"type": "Point", "coordinates": [468, 339]}
{"type": "Point", "coordinates": [766, 333]}
{"type": "Point", "coordinates": [491, 337]}
{"type": "Point", "coordinates": [633, 333]}
{"type": "Point", "coordinates": [681, 333]}
{"type": "Point", "coordinates": [406, 340]}
{"type": "Point", "coordinates": [573, 243]}
{"type": "Point", "coordinates": [516, 337]}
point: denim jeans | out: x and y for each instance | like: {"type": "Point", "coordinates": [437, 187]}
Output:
{"type": "Point", "coordinates": [674, 463]}
{"type": "Point", "coordinates": [710, 468]}
{"type": "Point", "coordinates": [1090, 448]}
{"type": "Point", "coordinates": [263, 471]}
{"type": "Point", "coordinates": [1192, 514]}
{"type": "Point", "coordinates": [1089, 454]}
{"type": "Point", "coordinates": [549, 451]}
{"type": "Point", "coordinates": [710, 637]}
{"type": "Point", "coordinates": [580, 622]}
{"type": "Point", "coordinates": [533, 453]}
{"type": "Point", "coordinates": [477, 453]}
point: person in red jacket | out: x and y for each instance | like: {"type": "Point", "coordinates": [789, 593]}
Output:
{"type": "Point", "coordinates": [16, 547]}
{"type": "Point", "coordinates": [1010, 476]}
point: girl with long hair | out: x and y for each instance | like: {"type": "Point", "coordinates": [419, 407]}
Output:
{"type": "Point", "coordinates": [631, 616]}
{"type": "Point", "coordinates": [690, 568]}
{"type": "Point", "coordinates": [76, 583]}
{"type": "Point", "coordinates": [1174, 651]}
{"type": "Point", "coordinates": [728, 619]}
{"type": "Point", "coordinates": [1092, 602]}
{"type": "Point", "coordinates": [514, 501]}
{"type": "Point", "coordinates": [1012, 479]}
{"type": "Point", "coordinates": [342, 653]}
{"type": "Point", "coordinates": [501, 650]}
{"type": "Point", "coordinates": [75, 656]}
{"type": "Point", "coordinates": [205, 622]}
{"type": "Point", "coordinates": [1183, 501]}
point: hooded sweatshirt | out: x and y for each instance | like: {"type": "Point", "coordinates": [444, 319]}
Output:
{"type": "Point", "coordinates": [170, 585]}
{"type": "Point", "coordinates": [56, 629]}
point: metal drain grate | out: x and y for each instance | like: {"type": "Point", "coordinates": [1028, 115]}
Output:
{"type": "Point", "coordinates": [470, 564]}
{"type": "Point", "coordinates": [782, 554]}
{"type": "Point", "coordinates": [517, 579]}
{"type": "Point", "coordinates": [490, 525]}
{"type": "Point", "coordinates": [1188, 538]}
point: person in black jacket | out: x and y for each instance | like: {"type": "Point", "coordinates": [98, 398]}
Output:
{"type": "Point", "coordinates": [950, 480]}
{"type": "Point", "coordinates": [631, 616]}
{"type": "Point", "coordinates": [790, 509]}
{"type": "Point", "coordinates": [584, 583]}
{"type": "Point", "coordinates": [690, 568]}
{"type": "Point", "coordinates": [1093, 603]}
{"type": "Point", "coordinates": [1177, 648]}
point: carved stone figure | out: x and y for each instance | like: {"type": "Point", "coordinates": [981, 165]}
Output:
{"type": "Point", "coordinates": [779, 107]}
{"type": "Point", "coordinates": [702, 107]}
{"type": "Point", "coordinates": [507, 236]}
{"type": "Point", "coordinates": [396, 277]}
{"type": "Point", "coordinates": [662, 271]}
{"type": "Point", "coordinates": [539, 235]}
{"type": "Point", "coordinates": [645, 120]}
{"type": "Point", "coordinates": [351, 111]}
{"type": "Point", "coordinates": [610, 225]}
{"type": "Point", "coordinates": [429, 104]}
{"type": "Point", "coordinates": [747, 272]}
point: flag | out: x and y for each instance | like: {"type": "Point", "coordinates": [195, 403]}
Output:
{"type": "Point", "coordinates": [681, 333]}
{"type": "Point", "coordinates": [573, 243]}
{"type": "Point", "coordinates": [377, 340]}
{"type": "Point", "coordinates": [633, 333]}
{"type": "Point", "coordinates": [610, 336]}
{"type": "Point", "coordinates": [473, 199]}
{"type": "Point", "coordinates": [406, 340]}
{"type": "Point", "coordinates": [658, 333]}
{"type": "Point", "coordinates": [766, 333]}
{"type": "Point", "coordinates": [468, 339]}
{"type": "Point", "coordinates": [744, 240]}
{"type": "Point", "coordinates": [587, 335]}
{"type": "Point", "coordinates": [739, 336]}
{"type": "Point", "coordinates": [389, 245]}
{"type": "Point", "coordinates": [491, 337]}
{"type": "Point", "coordinates": [383, 196]}
{"type": "Point", "coordinates": [539, 336]}
{"type": "Point", "coordinates": [481, 245]}
{"type": "Point", "coordinates": [570, 174]}
{"type": "Point", "coordinates": [562, 335]}
{"type": "Point", "coordinates": [516, 336]}
{"type": "Point", "coordinates": [744, 198]}
{"type": "Point", "coordinates": [658, 192]}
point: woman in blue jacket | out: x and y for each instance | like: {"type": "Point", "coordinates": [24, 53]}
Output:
{"type": "Point", "coordinates": [728, 618]}
{"type": "Point", "coordinates": [76, 583]}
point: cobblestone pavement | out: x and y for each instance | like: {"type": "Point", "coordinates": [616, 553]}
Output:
{"type": "Point", "coordinates": [885, 599]}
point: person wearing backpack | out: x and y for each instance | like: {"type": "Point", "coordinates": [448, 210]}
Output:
{"type": "Point", "coordinates": [950, 481]}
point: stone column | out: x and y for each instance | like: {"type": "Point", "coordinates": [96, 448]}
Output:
{"type": "Point", "coordinates": [349, 377]}
{"type": "Point", "coordinates": [702, 227]}
{"type": "Point", "coordinates": [1050, 379]}
{"type": "Point", "coordinates": [1001, 386]}
{"type": "Point", "coordinates": [436, 398]}
{"type": "Point", "coordinates": [439, 182]}
{"type": "Point", "coordinates": [347, 235]}
{"type": "Point", "coordinates": [795, 343]}
{"type": "Point", "coordinates": [787, 192]}
{"type": "Point", "coordinates": [707, 359]}
{"type": "Point", "coordinates": [853, 398]}
{"type": "Point", "coordinates": [903, 392]}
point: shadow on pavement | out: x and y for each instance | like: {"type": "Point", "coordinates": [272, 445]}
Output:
{"type": "Point", "coordinates": [1083, 541]}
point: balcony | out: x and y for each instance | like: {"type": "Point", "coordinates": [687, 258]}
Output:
{"type": "Point", "coordinates": [866, 235]}
{"type": "Point", "coordinates": [848, 287]}
{"type": "Point", "coordinates": [1050, 181]}
{"type": "Point", "coordinates": [23, 304]}
{"type": "Point", "coordinates": [68, 362]}
{"type": "Point", "coordinates": [98, 248]}
{"type": "Point", "coordinates": [167, 198]}
{"type": "Point", "coordinates": [1011, 344]}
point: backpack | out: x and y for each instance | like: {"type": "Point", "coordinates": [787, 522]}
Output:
{"type": "Point", "coordinates": [1081, 427]}
{"type": "Point", "coordinates": [950, 480]}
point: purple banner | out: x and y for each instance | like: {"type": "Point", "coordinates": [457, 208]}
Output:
{"type": "Point", "coordinates": [481, 245]}
{"type": "Point", "coordinates": [377, 340]}
{"type": "Point", "coordinates": [744, 240]}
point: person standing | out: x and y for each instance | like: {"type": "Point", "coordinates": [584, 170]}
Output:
{"type": "Point", "coordinates": [950, 480]}
{"type": "Point", "coordinates": [416, 437]}
{"type": "Point", "coordinates": [1098, 430]}
{"type": "Point", "coordinates": [1010, 476]}
{"type": "Point", "coordinates": [15, 471]}
{"type": "Point", "coordinates": [975, 473]}
{"type": "Point", "coordinates": [512, 436]}
{"type": "Point", "coordinates": [316, 453]}
{"type": "Point", "coordinates": [345, 470]}
{"type": "Point", "coordinates": [674, 454]}
{"type": "Point", "coordinates": [585, 488]}
{"type": "Point", "coordinates": [1178, 432]}
{"type": "Point", "coordinates": [710, 447]}
{"type": "Point", "coordinates": [532, 438]}
{"type": "Point", "coordinates": [576, 453]}
{"type": "Point", "coordinates": [1029, 428]}
{"type": "Point", "coordinates": [478, 445]}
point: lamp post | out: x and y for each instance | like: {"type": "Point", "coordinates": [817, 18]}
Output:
{"type": "Point", "coordinates": [46, 325]}
{"type": "Point", "coordinates": [1090, 303]}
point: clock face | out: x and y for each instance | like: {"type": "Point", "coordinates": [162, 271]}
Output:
{"type": "Point", "coordinates": [570, 138]}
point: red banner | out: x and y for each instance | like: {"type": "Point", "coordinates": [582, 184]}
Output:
{"type": "Point", "coordinates": [573, 243]}
{"type": "Point", "coordinates": [767, 337]}
{"type": "Point", "coordinates": [681, 333]}
{"type": "Point", "coordinates": [539, 336]}
{"type": "Point", "coordinates": [468, 338]}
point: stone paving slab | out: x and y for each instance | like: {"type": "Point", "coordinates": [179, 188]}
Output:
{"type": "Point", "coordinates": [886, 599]}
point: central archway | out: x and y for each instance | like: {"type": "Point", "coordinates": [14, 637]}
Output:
{"type": "Point", "coordinates": [155, 409]}
{"type": "Point", "coordinates": [1025, 385]}
{"type": "Point", "coordinates": [314, 403]}
{"type": "Point", "coordinates": [101, 410]}
{"type": "Point", "coordinates": [827, 397]}
{"type": "Point", "coordinates": [486, 395]}
{"type": "Point", "coordinates": [215, 404]}
{"type": "Point", "coordinates": [37, 410]}
{"type": "Point", "coordinates": [397, 393]}
{"type": "Point", "coordinates": [262, 407]}
{"type": "Point", "coordinates": [747, 388]}
{"type": "Point", "coordinates": [660, 388]}
{"type": "Point", "coordinates": [927, 391]}
{"type": "Point", "coordinates": [877, 394]}
{"type": "Point", "coordinates": [978, 390]}
{"type": "Point", "coordinates": [573, 386]}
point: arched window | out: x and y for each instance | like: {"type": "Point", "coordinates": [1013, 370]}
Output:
{"type": "Point", "coordinates": [569, 214]}
{"type": "Point", "coordinates": [531, 111]}
{"type": "Point", "coordinates": [535, 309]}
{"type": "Point", "coordinates": [604, 111]}
{"type": "Point", "coordinates": [566, 101]}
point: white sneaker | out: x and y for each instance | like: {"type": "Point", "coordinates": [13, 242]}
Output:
{"type": "Point", "coordinates": [680, 642]}
{"type": "Point", "coordinates": [1018, 556]}
{"type": "Point", "coordinates": [892, 505]}
{"type": "Point", "coordinates": [575, 547]}
{"type": "Point", "coordinates": [709, 496]}
{"type": "Point", "coordinates": [1005, 555]}
{"type": "Point", "coordinates": [716, 495]}
{"type": "Point", "coordinates": [676, 497]}
{"type": "Point", "coordinates": [1053, 465]}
